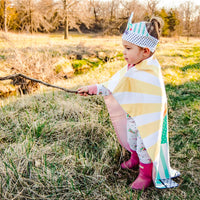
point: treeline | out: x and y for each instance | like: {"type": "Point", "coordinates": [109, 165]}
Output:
{"type": "Point", "coordinates": [108, 16]}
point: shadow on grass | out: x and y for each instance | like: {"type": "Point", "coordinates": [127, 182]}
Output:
{"type": "Point", "coordinates": [194, 66]}
{"type": "Point", "coordinates": [183, 95]}
{"type": "Point", "coordinates": [184, 104]}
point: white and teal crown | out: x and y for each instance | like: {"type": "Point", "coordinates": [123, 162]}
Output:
{"type": "Point", "coordinates": [137, 34]}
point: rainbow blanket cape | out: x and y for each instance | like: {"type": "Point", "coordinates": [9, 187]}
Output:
{"type": "Point", "coordinates": [140, 92]}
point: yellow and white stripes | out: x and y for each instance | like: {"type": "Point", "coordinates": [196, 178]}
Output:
{"type": "Point", "coordinates": [140, 92]}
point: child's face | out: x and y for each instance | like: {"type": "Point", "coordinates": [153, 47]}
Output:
{"type": "Point", "coordinates": [132, 53]}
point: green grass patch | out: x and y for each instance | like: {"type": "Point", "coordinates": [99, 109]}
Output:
{"type": "Point", "coordinates": [192, 67]}
{"type": "Point", "coordinates": [84, 65]}
{"type": "Point", "coordinates": [3, 57]}
{"type": "Point", "coordinates": [52, 146]}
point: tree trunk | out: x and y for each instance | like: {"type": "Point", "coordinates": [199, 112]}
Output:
{"type": "Point", "coordinates": [5, 15]}
{"type": "Point", "coordinates": [188, 37]}
{"type": "Point", "coordinates": [66, 31]}
{"type": "Point", "coordinates": [31, 22]}
{"type": "Point", "coordinates": [65, 21]}
{"type": "Point", "coordinates": [30, 17]}
{"type": "Point", "coordinates": [188, 29]}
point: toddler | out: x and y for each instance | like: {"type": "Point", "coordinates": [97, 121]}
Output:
{"type": "Point", "coordinates": [136, 100]}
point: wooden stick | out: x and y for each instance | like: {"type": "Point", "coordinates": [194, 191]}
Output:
{"type": "Point", "coordinates": [36, 80]}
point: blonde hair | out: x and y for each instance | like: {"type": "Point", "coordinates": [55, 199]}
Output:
{"type": "Point", "coordinates": [154, 27]}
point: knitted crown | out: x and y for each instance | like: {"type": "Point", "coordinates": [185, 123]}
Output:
{"type": "Point", "coordinates": [136, 33]}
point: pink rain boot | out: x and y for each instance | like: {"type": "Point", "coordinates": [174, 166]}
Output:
{"type": "Point", "coordinates": [132, 162]}
{"type": "Point", "coordinates": [144, 178]}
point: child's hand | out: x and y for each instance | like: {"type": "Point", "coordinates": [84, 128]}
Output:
{"type": "Point", "coordinates": [83, 91]}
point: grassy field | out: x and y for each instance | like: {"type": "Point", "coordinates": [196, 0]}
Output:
{"type": "Point", "coordinates": [55, 145]}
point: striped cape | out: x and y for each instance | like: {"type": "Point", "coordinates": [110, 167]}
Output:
{"type": "Point", "coordinates": [140, 92]}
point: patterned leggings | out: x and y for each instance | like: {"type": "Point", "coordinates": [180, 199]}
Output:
{"type": "Point", "coordinates": [133, 136]}
{"type": "Point", "coordinates": [135, 141]}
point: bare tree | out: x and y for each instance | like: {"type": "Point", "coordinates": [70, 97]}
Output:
{"type": "Point", "coordinates": [195, 30]}
{"type": "Point", "coordinates": [66, 22]}
{"type": "Point", "coordinates": [84, 15]}
{"type": "Point", "coordinates": [95, 7]}
{"type": "Point", "coordinates": [31, 15]}
{"type": "Point", "coordinates": [5, 15]}
{"type": "Point", "coordinates": [47, 11]}
{"type": "Point", "coordinates": [112, 15]}
{"type": "Point", "coordinates": [66, 9]}
{"type": "Point", "coordinates": [106, 15]}
{"type": "Point", "coordinates": [197, 22]}
{"type": "Point", "coordinates": [97, 11]}
{"type": "Point", "coordinates": [152, 7]}
{"type": "Point", "coordinates": [114, 7]}
{"type": "Point", "coordinates": [132, 6]}
{"type": "Point", "coordinates": [187, 11]}
{"type": "Point", "coordinates": [111, 19]}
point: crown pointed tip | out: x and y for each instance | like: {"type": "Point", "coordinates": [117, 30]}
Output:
{"type": "Point", "coordinates": [131, 17]}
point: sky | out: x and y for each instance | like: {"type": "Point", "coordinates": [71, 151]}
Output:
{"type": "Point", "coordinates": [173, 3]}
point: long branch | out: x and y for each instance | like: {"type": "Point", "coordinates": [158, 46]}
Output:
{"type": "Point", "coordinates": [36, 80]}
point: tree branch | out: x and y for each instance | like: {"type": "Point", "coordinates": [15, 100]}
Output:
{"type": "Point", "coordinates": [12, 77]}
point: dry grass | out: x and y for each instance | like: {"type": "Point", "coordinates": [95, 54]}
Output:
{"type": "Point", "coordinates": [55, 145]}
{"type": "Point", "coordinates": [56, 149]}
{"type": "Point", "coordinates": [40, 56]}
